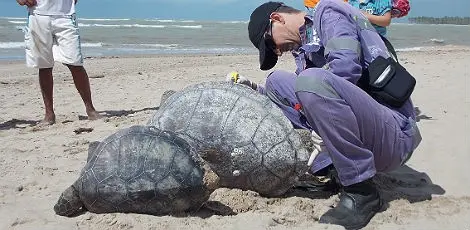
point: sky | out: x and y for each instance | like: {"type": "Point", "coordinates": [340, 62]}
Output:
{"type": "Point", "coordinates": [214, 9]}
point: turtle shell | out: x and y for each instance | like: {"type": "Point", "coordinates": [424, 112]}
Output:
{"type": "Point", "coordinates": [140, 169]}
{"type": "Point", "coordinates": [244, 137]}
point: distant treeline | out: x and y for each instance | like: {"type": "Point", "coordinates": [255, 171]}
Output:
{"type": "Point", "coordinates": [444, 20]}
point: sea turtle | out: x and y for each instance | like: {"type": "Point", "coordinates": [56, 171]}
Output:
{"type": "Point", "coordinates": [139, 169]}
{"type": "Point", "coordinates": [241, 134]}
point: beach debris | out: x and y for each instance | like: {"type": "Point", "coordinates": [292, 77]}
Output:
{"type": "Point", "coordinates": [437, 41]}
{"type": "Point", "coordinates": [97, 76]}
{"type": "Point", "coordinates": [245, 138]}
{"type": "Point", "coordinates": [82, 130]}
{"type": "Point", "coordinates": [140, 169]}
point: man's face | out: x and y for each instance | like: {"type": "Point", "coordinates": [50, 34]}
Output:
{"type": "Point", "coordinates": [281, 36]}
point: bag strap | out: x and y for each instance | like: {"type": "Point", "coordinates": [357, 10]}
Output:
{"type": "Point", "coordinates": [364, 24]}
{"type": "Point", "coordinates": [390, 48]}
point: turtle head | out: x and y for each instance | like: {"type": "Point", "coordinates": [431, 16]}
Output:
{"type": "Point", "coordinates": [69, 203]}
{"type": "Point", "coordinates": [167, 94]}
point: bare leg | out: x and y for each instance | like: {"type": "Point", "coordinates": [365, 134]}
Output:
{"type": "Point", "coordinates": [46, 83]}
{"type": "Point", "coordinates": [82, 83]}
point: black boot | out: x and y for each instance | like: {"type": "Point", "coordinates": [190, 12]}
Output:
{"type": "Point", "coordinates": [358, 204]}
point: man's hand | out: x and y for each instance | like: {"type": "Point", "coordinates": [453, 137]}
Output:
{"type": "Point", "coordinates": [29, 3]}
{"type": "Point", "coordinates": [237, 78]}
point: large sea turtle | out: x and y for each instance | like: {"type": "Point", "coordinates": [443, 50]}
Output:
{"type": "Point", "coordinates": [244, 137]}
{"type": "Point", "coordinates": [140, 169]}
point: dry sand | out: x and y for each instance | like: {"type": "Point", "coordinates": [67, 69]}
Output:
{"type": "Point", "coordinates": [38, 163]}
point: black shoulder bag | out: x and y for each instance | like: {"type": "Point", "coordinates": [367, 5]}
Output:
{"type": "Point", "coordinates": [386, 80]}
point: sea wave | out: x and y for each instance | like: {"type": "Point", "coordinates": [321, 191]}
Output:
{"type": "Point", "coordinates": [168, 20]}
{"type": "Point", "coordinates": [22, 28]}
{"type": "Point", "coordinates": [409, 49]}
{"type": "Point", "coordinates": [167, 46]}
{"type": "Point", "coordinates": [436, 40]}
{"type": "Point", "coordinates": [99, 44]}
{"type": "Point", "coordinates": [139, 26]}
{"type": "Point", "coordinates": [121, 26]}
{"type": "Point", "coordinates": [11, 45]}
{"type": "Point", "coordinates": [234, 22]}
{"type": "Point", "coordinates": [21, 45]}
{"type": "Point", "coordinates": [157, 50]}
{"type": "Point", "coordinates": [189, 27]}
{"type": "Point", "coordinates": [17, 22]}
{"type": "Point", "coordinates": [13, 18]}
{"type": "Point", "coordinates": [160, 20]}
{"type": "Point", "coordinates": [104, 19]}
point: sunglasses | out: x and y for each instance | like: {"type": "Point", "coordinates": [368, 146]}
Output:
{"type": "Point", "coordinates": [268, 37]}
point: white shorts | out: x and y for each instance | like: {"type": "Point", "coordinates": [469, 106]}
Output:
{"type": "Point", "coordinates": [52, 38]}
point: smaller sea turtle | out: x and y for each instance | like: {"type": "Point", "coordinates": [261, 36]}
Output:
{"type": "Point", "coordinates": [140, 169]}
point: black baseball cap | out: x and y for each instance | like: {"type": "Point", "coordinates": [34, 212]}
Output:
{"type": "Point", "coordinates": [259, 22]}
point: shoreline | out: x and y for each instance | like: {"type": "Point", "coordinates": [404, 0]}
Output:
{"type": "Point", "coordinates": [91, 57]}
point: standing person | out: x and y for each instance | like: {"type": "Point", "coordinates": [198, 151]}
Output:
{"type": "Point", "coordinates": [52, 35]}
{"type": "Point", "coordinates": [310, 5]}
{"type": "Point", "coordinates": [362, 134]}
{"type": "Point", "coordinates": [379, 13]}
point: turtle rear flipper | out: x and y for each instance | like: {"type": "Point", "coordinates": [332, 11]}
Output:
{"type": "Point", "coordinates": [69, 203]}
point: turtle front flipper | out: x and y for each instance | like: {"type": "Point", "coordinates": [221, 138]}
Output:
{"type": "Point", "coordinates": [69, 203]}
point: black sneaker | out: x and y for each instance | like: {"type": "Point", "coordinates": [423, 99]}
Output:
{"type": "Point", "coordinates": [358, 204]}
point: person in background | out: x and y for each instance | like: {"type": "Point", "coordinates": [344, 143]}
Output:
{"type": "Point", "coordinates": [52, 35]}
{"type": "Point", "coordinates": [379, 13]}
{"type": "Point", "coordinates": [310, 5]}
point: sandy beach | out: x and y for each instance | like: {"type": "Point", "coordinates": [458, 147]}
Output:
{"type": "Point", "coordinates": [38, 163]}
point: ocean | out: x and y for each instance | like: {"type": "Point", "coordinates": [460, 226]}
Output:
{"type": "Point", "coordinates": [114, 36]}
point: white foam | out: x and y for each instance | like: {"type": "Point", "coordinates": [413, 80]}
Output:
{"type": "Point", "coordinates": [12, 45]}
{"type": "Point", "coordinates": [21, 45]}
{"type": "Point", "coordinates": [22, 28]}
{"type": "Point", "coordinates": [160, 20]}
{"type": "Point", "coordinates": [436, 40]}
{"type": "Point", "coordinates": [168, 46]}
{"type": "Point", "coordinates": [138, 26]}
{"type": "Point", "coordinates": [99, 44]}
{"type": "Point", "coordinates": [13, 18]}
{"type": "Point", "coordinates": [234, 22]}
{"type": "Point", "coordinates": [104, 19]}
{"type": "Point", "coordinates": [121, 26]}
{"type": "Point", "coordinates": [17, 22]}
{"type": "Point", "coordinates": [189, 27]}
{"type": "Point", "coordinates": [410, 49]}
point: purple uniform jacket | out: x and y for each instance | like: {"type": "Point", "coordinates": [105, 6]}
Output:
{"type": "Point", "coordinates": [323, 26]}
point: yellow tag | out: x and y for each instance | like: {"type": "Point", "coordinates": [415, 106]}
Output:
{"type": "Point", "coordinates": [234, 76]}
